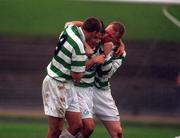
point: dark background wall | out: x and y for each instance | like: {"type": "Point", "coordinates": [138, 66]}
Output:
{"type": "Point", "coordinates": [146, 83]}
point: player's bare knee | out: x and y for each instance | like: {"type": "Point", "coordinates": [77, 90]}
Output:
{"type": "Point", "coordinates": [121, 129]}
{"type": "Point", "coordinates": [89, 128]}
{"type": "Point", "coordinates": [116, 133]}
{"type": "Point", "coordinates": [119, 133]}
{"type": "Point", "coordinates": [54, 133]}
{"type": "Point", "coordinates": [76, 127]}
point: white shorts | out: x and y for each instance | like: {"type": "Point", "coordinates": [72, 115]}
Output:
{"type": "Point", "coordinates": [104, 105]}
{"type": "Point", "coordinates": [85, 96]}
{"type": "Point", "coordinates": [59, 97]}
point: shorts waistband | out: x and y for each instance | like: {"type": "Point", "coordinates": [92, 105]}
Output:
{"type": "Point", "coordinates": [55, 79]}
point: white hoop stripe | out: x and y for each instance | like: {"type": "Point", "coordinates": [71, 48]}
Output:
{"type": "Point", "coordinates": [171, 17]}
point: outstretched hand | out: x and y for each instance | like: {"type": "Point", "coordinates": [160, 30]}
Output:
{"type": "Point", "coordinates": [99, 59]}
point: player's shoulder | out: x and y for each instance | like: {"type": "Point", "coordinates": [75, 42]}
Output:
{"type": "Point", "coordinates": [71, 26]}
{"type": "Point", "coordinates": [73, 29]}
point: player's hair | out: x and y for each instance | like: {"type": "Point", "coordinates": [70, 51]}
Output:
{"type": "Point", "coordinates": [102, 27]}
{"type": "Point", "coordinates": [92, 24]}
{"type": "Point", "coordinates": [119, 28]}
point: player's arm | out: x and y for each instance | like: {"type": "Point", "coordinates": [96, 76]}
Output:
{"type": "Point", "coordinates": [118, 57]}
{"type": "Point", "coordinates": [119, 50]}
{"type": "Point", "coordinates": [107, 48]}
{"type": "Point", "coordinates": [117, 62]}
{"type": "Point", "coordinates": [78, 60]}
{"type": "Point", "coordinates": [99, 59]}
{"type": "Point", "coordinates": [88, 49]}
{"type": "Point", "coordinates": [76, 23]}
{"type": "Point", "coordinates": [111, 66]}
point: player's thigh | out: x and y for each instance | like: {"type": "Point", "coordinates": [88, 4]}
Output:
{"type": "Point", "coordinates": [54, 98]}
{"type": "Point", "coordinates": [74, 122]}
{"type": "Point", "coordinates": [73, 118]}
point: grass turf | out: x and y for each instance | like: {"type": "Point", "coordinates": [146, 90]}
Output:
{"type": "Point", "coordinates": [43, 17]}
{"type": "Point", "coordinates": [21, 127]}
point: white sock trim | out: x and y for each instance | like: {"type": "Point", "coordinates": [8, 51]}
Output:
{"type": "Point", "coordinates": [66, 134]}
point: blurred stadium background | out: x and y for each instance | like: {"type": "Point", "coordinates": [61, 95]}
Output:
{"type": "Point", "coordinates": [146, 86]}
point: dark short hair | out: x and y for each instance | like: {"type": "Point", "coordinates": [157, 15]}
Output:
{"type": "Point", "coordinates": [119, 28]}
{"type": "Point", "coordinates": [102, 27]}
{"type": "Point", "coordinates": [92, 24]}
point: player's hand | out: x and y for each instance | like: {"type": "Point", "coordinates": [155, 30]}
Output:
{"type": "Point", "coordinates": [107, 48]}
{"type": "Point", "coordinates": [120, 50]}
{"type": "Point", "coordinates": [99, 59]}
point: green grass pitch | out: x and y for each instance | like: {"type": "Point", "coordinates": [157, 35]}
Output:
{"type": "Point", "coordinates": [44, 17]}
{"type": "Point", "coordinates": [17, 127]}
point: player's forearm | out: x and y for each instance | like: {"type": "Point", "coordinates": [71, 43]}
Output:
{"type": "Point", "coordinates": [110, 67]}
{"type": "Point", "coordinates": [89, 63]}
{"type": "Point", "coordinates": [99, 59]}
{"type": "Point", "coordinates": [106, 74]}
{"type": "Point", "coordinates": [106, 68]}
{"type": "Point", "coordinates": [116, 64]}
{"type": "Point", "coordinates": [76, 23]}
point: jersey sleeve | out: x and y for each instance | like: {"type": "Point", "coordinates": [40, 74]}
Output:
{"type": "Point", "coordinates": [111, 65]}
{"type": "Point", "coordinates": [78, 49]}
{"type": "Point", "coordinates": [78, 62]}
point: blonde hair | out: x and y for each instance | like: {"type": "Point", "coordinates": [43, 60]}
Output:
{"type": "Point", "coordinates": [119, 28]}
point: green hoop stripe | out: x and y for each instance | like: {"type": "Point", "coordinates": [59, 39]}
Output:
{"type": "Point", "coordinates": [59, 73]}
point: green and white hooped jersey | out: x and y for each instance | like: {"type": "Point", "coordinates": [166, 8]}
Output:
{"type": "Point", "coordinates": [105, 71]}
{"type": "Point", "coordinates": [71, 55]}
{"type": "Point", "coordinates": [89, 76]}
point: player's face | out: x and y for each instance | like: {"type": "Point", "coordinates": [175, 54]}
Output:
{"type": "Point", "coordinates": [110, 35]}
{"type": "Point", "coordinates": [95, 39]}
